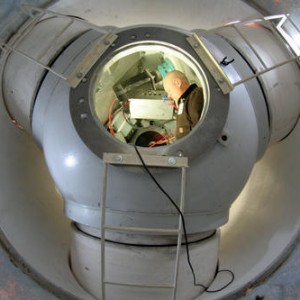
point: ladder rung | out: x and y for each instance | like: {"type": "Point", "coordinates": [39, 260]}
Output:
{"type": "Point", "coordinates": [141, 229]}
{"type": "Point", "coordinates": [140, 285]}
{"type": "Point", "coordinates": [129, 159]}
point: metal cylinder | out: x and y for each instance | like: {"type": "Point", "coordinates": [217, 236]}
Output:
{"type": "Point", "coordinates": [237, 126]}
{"type": "Point", "coordinates": [264, 48]}
{"type": "Point", "coordinates": [20, 85]}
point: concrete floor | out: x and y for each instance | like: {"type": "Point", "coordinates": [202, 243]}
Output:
{"type": "Point", "coordinates": [15, 285]}
{"type": "Point", "coordinates": [283, 284]}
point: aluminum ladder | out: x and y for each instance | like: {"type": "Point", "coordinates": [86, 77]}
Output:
{"type": "Point", "coordinates": [150, 161]}
{"type": "Point", "coordinates": [33, 15]}
{"type": "Point", "coordinates": [282, 26]}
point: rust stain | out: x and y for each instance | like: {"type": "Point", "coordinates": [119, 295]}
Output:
{"type": "Point", "coordinates": [14, 291]}
{"type": "Point", "coordinates": [9, 292]}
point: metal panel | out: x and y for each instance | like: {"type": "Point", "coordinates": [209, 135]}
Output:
{"type": "Point", "coordinates": [150, 109]}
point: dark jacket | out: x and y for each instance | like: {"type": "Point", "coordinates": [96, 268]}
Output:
{"type": "Point", "coordinates": [190, 106]}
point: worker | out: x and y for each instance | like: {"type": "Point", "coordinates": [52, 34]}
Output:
{"type": "Point", "coordinates": [188, 99]}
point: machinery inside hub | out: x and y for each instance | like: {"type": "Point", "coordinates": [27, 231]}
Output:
{"type": "Point", "coordinates": [128, 97]}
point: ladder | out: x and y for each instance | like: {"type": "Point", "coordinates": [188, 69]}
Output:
{"type": "Point", "coordinates": [150, 161]}
{"type": "Point", "coordinates": [34, 15]}
{"type": "Point", "coordinates": [282, 26]}
{"type": "Point", "coordinates": [283, 35]}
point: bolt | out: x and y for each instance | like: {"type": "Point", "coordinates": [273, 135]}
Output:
{"type": "Point", "coordinates": [196, 45]}
{"type": "Point", "coordinates": [147, 35]}
{"type": "Point", "coordinates": [224, 137]}
{"type": "Point", "coordinates": [83, 116]}
{"type": "Point", "coordinates": [106, 42]}
{"type": "Point", "coordinates": [118, 158]}
{"type": "Point", "coordinates": [172, 161]}
{"type": "Point", "coordinates": [133, 37]}
{"type": "Point", "coordinates": [79, 75]}
{"type": "Point", "coordinates": [179, 153]}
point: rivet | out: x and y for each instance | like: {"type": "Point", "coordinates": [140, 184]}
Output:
{"type": "Point", "coordinates": [172, 161]}
{"type": "Point", "coordinates": [118, 158]}
{"type": "Point", "coordinates": [179, 153]}
{"type": "Point", "coordinates": [224, 139]}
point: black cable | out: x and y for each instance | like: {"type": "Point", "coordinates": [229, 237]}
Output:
{"type": "Point", "coordinates": [178, 210]}
{"type": "Point", "coordinates": [184, 231]}
{"type": "Point", "coordinates": [226, 285]}
{"type": "Point", "coordinates": [159, 246]}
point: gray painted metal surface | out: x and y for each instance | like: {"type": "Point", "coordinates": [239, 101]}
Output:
{"type": "Point", "coordinates": [11, 17]}
{"type": "Point", "coordinates": [275, 154]}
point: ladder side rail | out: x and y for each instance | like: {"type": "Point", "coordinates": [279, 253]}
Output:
{"type": "Point", "coordinates": [55, 38]}
{"type": "Point", "coordinates": [235, 26]}
{"type": "Point", "coordinates": [77, 19]}
{"type": "Point", "coordinates": [265, 71]}
{"type": "Point", "coordinates": [32, 13]}
{"type": "Point", "coordinates": [284, 36]}
{"type": "Point", "coordinates": [282, 32]}
{"type": "Point", "coordinates": [4, 46]}
{"type": "Point", "coordinates": [103, 221]}
{"type": "Point", "coordinates": [36, 14]}
{"type": "Point", "coordinates": [16, 17]}
{"type": "Point", "coordinates": [20, 34]}
{"type": "Point", "coordinates": [293, 23]}
{"type": "Point", "coordinates": [180, 227]}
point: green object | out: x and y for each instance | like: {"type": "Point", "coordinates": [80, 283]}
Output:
{"type": "Point", "coordinates": [165, 67]}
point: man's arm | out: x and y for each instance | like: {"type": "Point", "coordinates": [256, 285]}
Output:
{"type": "Point", "coordinates": [195, 105]}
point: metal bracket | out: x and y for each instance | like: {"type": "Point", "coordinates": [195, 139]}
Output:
{"type": "Point", "coordinates": [150, 160]}
{"type": "Point", "coordinates": [211, 64]}
{"type": "Point", "coordinates": [90, 59]}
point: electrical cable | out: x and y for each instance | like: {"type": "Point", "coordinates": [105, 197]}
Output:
{"type": "Point", "coordinates": [164, 139]}
{"type": "Point", "coordinates": [184, 232]}
{"type": "Point", "coordinates": [111, 129]}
